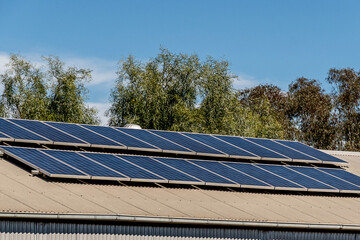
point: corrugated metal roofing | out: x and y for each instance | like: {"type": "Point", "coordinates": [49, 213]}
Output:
{"type": "Point", "coordinates": [20, 192]}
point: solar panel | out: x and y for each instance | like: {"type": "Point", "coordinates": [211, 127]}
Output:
{"type": "Point", "coordinates": [344, 175]}
{"type": "Point", "coordinates": [3, 136]}
{"type": "Point", "coordinates": [84, 164]}
{"type": "Point", "coordinates": [193, 170]}
{"type": "Point", "coordinates": [119, 137]}
{"type": "Point", "coordinates": [263, 175]}
{"type": "Point", "coordinates": [18, 133]}
{"type": "Point", "coordinates": [252, 147]}
{"type": "Point", "coordinates": [311, 151]}
{"type": "Point", "coordinates": [153, 139]}
{"type": "Point", "coordinates": [326, 178]}
{"type": "Point", "coordinates": [83, 134]}
{"type": "Point", "coordinates": [70, 164]}
{"type": "Point", "coordinates": [46, 131]}
{"type": "Point", "coordinates": [161, 169]}
{"type": "Point", "coordinates": [38, 160]}
{"type": "Point", "coordinates": [160, 141]}
{"type": "Point", "coordinates": [225, 147]}
{"type": "Point", "coordinates": [295, 177]}
{"type": "Point", "coordinates": [187, 142]}
{"type": "Point", "coordinates": [290, 153]}
{"type": "Point", "coordinates": [236, 176]}
{"type": "Point", "coordinates": [122, 166]}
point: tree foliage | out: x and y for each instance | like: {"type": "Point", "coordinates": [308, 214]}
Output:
{"type": "Point", "coordinates": [54, 93]}
{"type": "Point", "coordinates": [180, 92]}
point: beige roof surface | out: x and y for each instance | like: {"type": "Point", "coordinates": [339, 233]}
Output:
{"type": "Point", "coordinates": [20, 192]}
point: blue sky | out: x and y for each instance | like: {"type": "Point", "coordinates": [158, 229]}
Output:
{"type": "Point", "coordinates": [265, 41]}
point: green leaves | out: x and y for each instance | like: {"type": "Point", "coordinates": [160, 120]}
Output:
{"type": "Point", "coordinates": [56, 94]}
{"type": "Point", "coordinates": [179, 92]}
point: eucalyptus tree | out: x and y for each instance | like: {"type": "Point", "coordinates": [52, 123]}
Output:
{"type": "Point", "coordinates": [346, 98]}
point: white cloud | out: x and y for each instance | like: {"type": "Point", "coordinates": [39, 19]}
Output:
{"type": "Point", "coordinates": [103, 71]}
{"type": "Point", "coordinates": [101, 107]}
{"type": "Point", "coordinates": [244, 81]}
{"type": "Point", "coordinates": [4, 59]}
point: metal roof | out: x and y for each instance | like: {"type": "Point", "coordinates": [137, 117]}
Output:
{"type": "Point", "coordinates": [22, 193]}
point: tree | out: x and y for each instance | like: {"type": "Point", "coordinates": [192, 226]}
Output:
{"type": "Point", "coordinates": [180, 92]}
{"type": "Point", "coordinates": [68, 93]}
{"type": "Point", "coordinates": [56, 93]}
{"type": "Point", "coordinates": [25, 90]}
{"type": "Point", "coordinates": [346, 98]}
{"type": "Point", "coordinates": [309, 110]}
{"type": "Point", "coordinates": [160, 94]}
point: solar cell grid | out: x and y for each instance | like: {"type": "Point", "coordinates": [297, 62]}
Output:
{"type": "Point", "coordinates": [46, 131]}
{"type": "Point", "coordinates": [42, 161]}
{"type": "Point", "coordinates": [262, 175]}
{"type": "Point", "coordinates": [159, 168]}
{"type": "Point", "coordinates": [251, 147]}
{"type": "Point", "coordinates": [83, 134]}
{"type": "Point", "coordinates": [325, 178]}
{"type": "Point", "coordinates": [229, 173]}
{"type": "Point", "coordinates": [310, 151]}
{"type": "Point", "coordinates": [223, 146]}
{"type": "Point", "coordinates": [342, 174]}
{"type": "Point", "coordinates": [121, 166]}
{"type": "Point", "coordinates": [193, 170]}
{"type": "Point", "coordinates": [119, 137]}
{"type": "Point", "coordinates": [186, 142]}
{"type": "Point", "coordinates": [295, 177]}
{"type": "Point", "coordinates": [281, 149]}
{"type": "Point", "coordinates": [153, 139]}
{"type": "Point", "coordinates": [82, 163]}
{"type": "Point", "coordinates": [17, 132]}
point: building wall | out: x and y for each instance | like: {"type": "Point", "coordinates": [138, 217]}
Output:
{"type": "Point", "coordinates": [28, 230]}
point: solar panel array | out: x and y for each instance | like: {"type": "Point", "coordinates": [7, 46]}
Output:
{"type": "Point", "coordinates": [161, 141]}
{"type": "Point", "coordinates": [89, 165]}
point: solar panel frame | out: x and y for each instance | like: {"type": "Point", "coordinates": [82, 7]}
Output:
{"type": "Point", "coordinates": [87, 135]}
{"type": "Point", "coordinates": [40, 139]}
{"type": "Point", "coordinates": [229, 148]}
{"type": "Point", "coordinates": [186, 151]}
{"type": "Point", "coordinates": [263, 141]}
{"type": "Point", "coordinates": [332, 171]}
{"type": "Point", "coordinates": [37, 125]}
{"type": "Point", "coordinates": [336, 161]}
{"type": "Point", "coordinates": [42, 170]}
{"type": "Point", "coordinates": [233, 139]}
{"type": "Point", "coordinates": [92, 128]}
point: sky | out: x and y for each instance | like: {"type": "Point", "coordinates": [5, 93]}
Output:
{"type": "Point", "coordinates": [273, 42]}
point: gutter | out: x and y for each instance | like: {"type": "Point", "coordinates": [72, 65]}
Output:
{"type": "Point", "coordinates": [168, 220]}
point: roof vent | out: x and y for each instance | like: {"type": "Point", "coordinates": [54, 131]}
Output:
{"type": "Point", "coordinates": [133, 126]}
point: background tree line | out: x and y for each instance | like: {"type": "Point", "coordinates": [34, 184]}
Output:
{"type": "Point", "coordinates": [181, 92]}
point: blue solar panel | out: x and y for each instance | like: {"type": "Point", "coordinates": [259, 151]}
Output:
{"type": "Point", "coordinates": [186, 142]}
{"type": "Point", "coordinates": [17, 132]}
{"type": "Point", "coordinates": [159, 168]}
{"type": "Point", "coordinates": [262, 175]}
{"type": "Point", "coordinates": [229, 173]}
{"type": "Point", "coordinates": [3, 136]}
{"type": "Point", "coordinates": [153, 139]}
{"type": "Point", "coordinates": [119, 136]}
{"type": "Point", "coordinates": [216, 143]}
{"type": "Point", "coordinates": [121, 166]}
{"type": "Point", "coordinates": [281, 149]}
{"type": "Point", "coordinates": [325, 178]}
{"type": "Point", "coordinates": [83, 133]}
{"type": "Point", "coordinates": [294, 176]}
{"type": "Point", "coordinates": [83, 164]}
{"type": "Point", "coordinates": [46, 131]}
{"type": "Point", "coordinates": [193, 170]}
{"type": "Point", "coordinates": [42, 161]}
{"type": "Point", "coordinates": [251, 147]}
{"type": "Point", "coordinates": [343, 175]}
{"type": "Point", "coordinates": [310, 151]}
